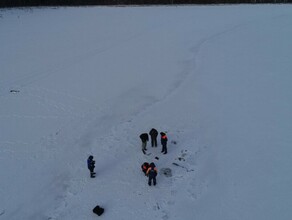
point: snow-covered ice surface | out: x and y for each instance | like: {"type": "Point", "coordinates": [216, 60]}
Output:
{"type": "Point", "coordinates": [89, 80]}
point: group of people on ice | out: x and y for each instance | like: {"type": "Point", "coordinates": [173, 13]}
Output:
{"type": "Point", "coordinates": [149, 170]}
{"type": "Point", "coordinates": [153, 134]}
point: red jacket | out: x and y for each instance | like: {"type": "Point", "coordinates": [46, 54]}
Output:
{"type": "Point", "coordinates": [164, 139]}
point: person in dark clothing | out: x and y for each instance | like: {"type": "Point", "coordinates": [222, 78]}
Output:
{"type": "Point", "coordinates": [145, 167]}
{"type": "Point", "coordinates": [163, 142]}
{"type": "Point", "coordinates": [152, 173]}
{"type": "Point", "coordinates": [153, 134]}
{"type": "Point", "coordinates": [91, 166]}
{"type": "Point", "coordinates": [144, 138]}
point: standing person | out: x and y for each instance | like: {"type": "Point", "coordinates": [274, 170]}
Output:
{"type": "Point", "coordinates": [144, 138]}
{"type": "Point", "coordinates": [152, 173]}
{"type": "Point", "coordinates": [163, 142]}
{"type": "Point", "coordinates": [91, 166]}
{"type": "Point", "coordinates": [153, 134]}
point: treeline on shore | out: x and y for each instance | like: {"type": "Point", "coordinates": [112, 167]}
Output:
{"type": "Point", "coordinates": [30, 3]}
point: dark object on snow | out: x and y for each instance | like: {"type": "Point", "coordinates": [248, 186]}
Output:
{"type": "Point", "coordinates": [91, 166]}
{"type": "Point", "coordinates": [178, 165]}
{"type": "Point", "coordinates": [157, 158]}
{"type": "Point", "coordinates": [144, 152]}
{"type": "Point", "coordinates": [98, 210]}
{"type": "Point", "coordinates": [14, 91]}
{"type": "Point", "coordinates": [188, 170]}
{"type": "Point", "coordinates": [153, 134]}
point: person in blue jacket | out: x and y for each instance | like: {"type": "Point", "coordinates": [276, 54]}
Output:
{"type": "Point", "coordinates": [91, 166]}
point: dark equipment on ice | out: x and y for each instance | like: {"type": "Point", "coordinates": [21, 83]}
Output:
{"type": "Point", "coordinates": [98, 210]}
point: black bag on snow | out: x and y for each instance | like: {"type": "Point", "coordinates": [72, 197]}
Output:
{"type": "Point", "coordinates": [98, 210]}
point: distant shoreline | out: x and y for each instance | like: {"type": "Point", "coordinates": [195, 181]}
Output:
{"type": "Point", "coordinates": [57, 3]}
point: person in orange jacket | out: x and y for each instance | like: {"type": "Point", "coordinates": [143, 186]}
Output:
{"type": "Point", "coordinates": [163, 142]}
{"type": "Point", "coordinates": [152, 173]}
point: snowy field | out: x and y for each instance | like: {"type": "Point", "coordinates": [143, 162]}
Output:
{"type": "Point", "coordinates": [81, 81]}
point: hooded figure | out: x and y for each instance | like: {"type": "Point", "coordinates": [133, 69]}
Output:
{"type": "Point", "coordinates": [152, 173]}
{"type": "Point", "coordinates": [91, 166]}
{"type": "Point", "coordinates": [153, 134]}
{"type": "Point", "coordinates": [163, 142]}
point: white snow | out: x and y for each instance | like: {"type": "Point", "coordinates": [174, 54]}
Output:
{"type": "Point", "coordinates": [90, 80]}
